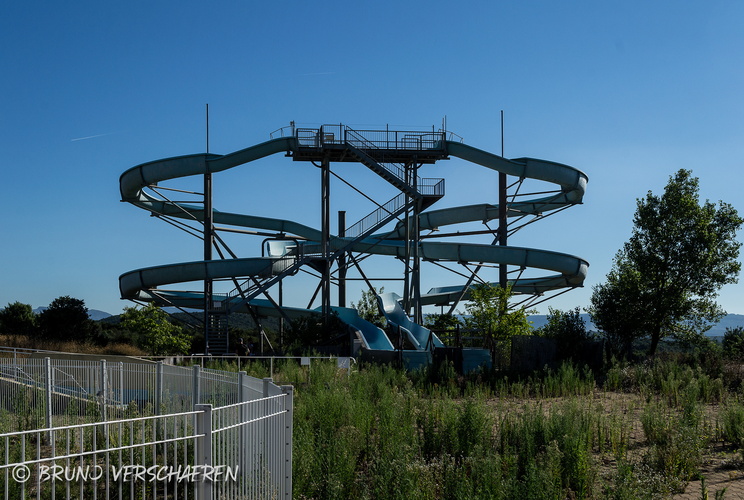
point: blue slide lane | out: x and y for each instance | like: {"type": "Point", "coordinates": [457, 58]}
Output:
{"type": "Point", "coordinates": [421, 338]}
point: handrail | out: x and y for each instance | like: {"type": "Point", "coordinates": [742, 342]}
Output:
{"type": "Point", "coordinates": [374, 218]}
{"type": "Point", "coordinates": [393, 167]}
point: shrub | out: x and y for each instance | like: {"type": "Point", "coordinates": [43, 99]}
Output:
{"type": "Point", "coordinates": [568, 329]}
{"type": "Point", "coordinates": [733, 343]}
{"type": "Point", "coordinates": [733, 424]}
{"type": "Point", "coordinates": [676, 442]}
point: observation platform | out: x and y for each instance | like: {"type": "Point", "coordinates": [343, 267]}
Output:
{"type": "Point", "coordinates": [338, 143]}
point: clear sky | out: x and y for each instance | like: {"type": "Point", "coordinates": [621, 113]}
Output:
{"type": "Point", "coordinates": [628, 92]}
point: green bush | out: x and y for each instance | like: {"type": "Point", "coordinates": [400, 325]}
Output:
{"type": "Point", "coordinates": [733, 343]}
{"type": "Point", "coordinates": [733, 424]}
{"type": "Point", "coordinates": [677, 441]}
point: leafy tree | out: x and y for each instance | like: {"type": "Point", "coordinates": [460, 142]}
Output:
{"type": "Point", "coordinates": [616, 310]}
{"type": "Point", "coordinates": [667, 276]}
{"type": "Point", "coordinates": [66, 318]}
{"type": "Point", "coordinates": [488, 310]}
{"type": "Point", "coordinates": [311, 331]}
{"type": "Point", "coordinates": [18, 318]}
{"type": "Point", "coordinates": [733, 342]}
{"type": "Point", "coordinates": [568, 329]}
{"type": "Point", "coordinates": [443, 321]}
{"type": "Point", "coordinates": [368, 309]}
{"type": "Point", "coordinates": [154, 332]}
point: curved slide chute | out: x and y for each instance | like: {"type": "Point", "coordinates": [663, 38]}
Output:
{"type": "Point", "coordinates": [568, 270]}
{"type": "Point", "coordinates": [422, 338]}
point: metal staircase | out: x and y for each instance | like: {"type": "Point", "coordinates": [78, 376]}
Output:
{"type": "Point", "coordinates": [372, 156]}
{"type": "Point", "coordinates": [345, 144]}
{"type": "Point", "coordinates": [218, 341]}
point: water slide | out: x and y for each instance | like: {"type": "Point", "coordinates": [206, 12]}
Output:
{"type": "Point", "coordinates": [566, 270]}
{"type": "Point", "coordinates": [422, 338]}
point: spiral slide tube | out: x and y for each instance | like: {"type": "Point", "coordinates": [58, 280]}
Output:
{"type": "Point", "coordinates": [568, 270]}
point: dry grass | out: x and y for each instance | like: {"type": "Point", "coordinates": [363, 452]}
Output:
{"type": "Point", "coordinates": [25, 342]}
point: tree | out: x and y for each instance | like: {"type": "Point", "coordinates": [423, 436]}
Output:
{"type": "Point", "coordinates": [154, 332]}
{"type": "Point", "coordinates": [733, 342]}
{"type": "Point", "coordinates": [568, 329]}
{"type": "Point", "coordinates": [368, 309]}
{"type": "Point", "coordinates": [488, 310]}
{"type": "Point", "coordinates": [311, 331]}
{"type": "Point", "coordinates": [444, 321]}
{"type": "Point", "coordinates": [667, 275]}
{"type": "Point", "coordinates": [18, 318]}
{"type": "Point", "coordinates": [66, 318]}
{"type": "Point", "coordinates": [616, 307]}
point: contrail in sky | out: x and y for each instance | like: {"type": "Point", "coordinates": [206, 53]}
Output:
{"type": "Point", "coordinates": [89, 137]}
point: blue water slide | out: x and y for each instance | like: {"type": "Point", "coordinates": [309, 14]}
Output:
{"type": "Point", "coordinates": [422, 338]}
{"type": "Point", "coordinates": [564, 270]}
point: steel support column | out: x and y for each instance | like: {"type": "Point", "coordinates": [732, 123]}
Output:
{"type": "Point", "coordinates": [503, 227]}
{"type": "Point", "coordinates": [208, 243]}
{"type": "Point", "coordinates": [416, 258]}
{"type": "Point", "coordinates": [342, 261]}
{"type": "Point", "coordinates": [503, 212]}
{"type": "Point", "coordinates": [325, 202]}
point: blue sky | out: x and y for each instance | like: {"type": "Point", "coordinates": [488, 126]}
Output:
{"type": "Point", "coordinates": [628, 92]}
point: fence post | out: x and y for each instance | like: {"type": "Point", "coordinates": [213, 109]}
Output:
{"type": "Point", "coordinates": [288, 391]}
{"type": "Point", "coordinates": [265, 425]}
{"type": "Point", "coordinates": [102, 391]}
{"type": "Point", "coordinates": [243, 441]}
{"type": "Point", "coordinates": [158, 386]}
{"type": "Point", "coordinates": [197, 385]}
{"type": "Point", "coordinates": [204, 449]}
{"type": "Point", "coordinates": [49, 384]}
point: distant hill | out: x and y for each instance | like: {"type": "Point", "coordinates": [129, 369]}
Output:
{"type": "Point", "coordinates": [93, 314]}
{"type": "Point", "coordinates": [244, 321]}
{"type": "Point", "coordinates": [728, 321]}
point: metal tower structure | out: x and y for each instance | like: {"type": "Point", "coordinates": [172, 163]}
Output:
{"type": "Point", "coordinates": [403, 227]}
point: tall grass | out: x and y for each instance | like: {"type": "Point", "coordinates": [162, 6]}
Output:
{"type": "Point", "coordinates": [382, 433]}
{"type": "Point", "coordinates": [379, 434]}
{"type": "Point", "coordinates": [673, 380]}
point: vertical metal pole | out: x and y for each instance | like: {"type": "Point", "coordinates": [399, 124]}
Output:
{"type": "Point", "coordinates": [503, 227]}
{"type": "Point", "coordinates": [103, 390]}
{"type": "Point", "coordinates": [196, 388]}
{"type": "Point", "coordinates": [158, 386]}
{"type": "Point", "coordinates": [407, 257]}
{"type": "Point", "coordinates": [266, 434]}
{"type": "Point", "coordinates": [342, 261]}
{"type": "Point", "coordinates": [208, 241]}
{"type": "Point", "coordinates": [416, 275]}
{"type": "Point", "coordinates": [121, 383]}
{"type": "Point", "coordinates": [281, 320]}
{"type": "Point", "coordinates": [243, 443]}
{"type": "Point", "coordinates": [326, 236]}
{"type": "Point", "coordinates": [204, 448]}
{"type": "Point", "coordinates": [288, 390]}
{"type": "Point", "coordinates": [48, 396]}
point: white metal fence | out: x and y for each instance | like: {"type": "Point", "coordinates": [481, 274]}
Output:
{"type": "Point", "coordinates": [49, 392]}
{"type": "Point", "coordinates": [81, 429]}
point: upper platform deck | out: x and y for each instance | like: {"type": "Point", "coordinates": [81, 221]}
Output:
{"type": "Point", "coordinates": [396, 146]}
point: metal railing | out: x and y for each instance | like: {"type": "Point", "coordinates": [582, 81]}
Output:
{"type": "Point", "coordinates": [370, 139]}
{"type": "Point", "coordinates": [379, 141]}
{"type": "Point", "coordinates": [46, 392]}
{"type": "Point", "coordinates": [164, 443]}
{"type": "Point", "coordinates": [236, 451]}
{"type": "Point", "coordinates": [374, 219]}
{"type": "Point", "coordinates": [357, 139]}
